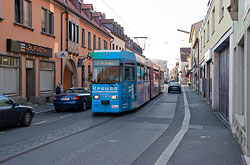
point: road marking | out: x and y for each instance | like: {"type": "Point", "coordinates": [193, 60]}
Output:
{"type": "Point", "coordinates": [2, 132]}
{"type": "Point", "coordinates": [166, 155]}
{"type": "Point", "coordinates": [62, 117]}
{"type": "Point", "coordinates": [40, 122]}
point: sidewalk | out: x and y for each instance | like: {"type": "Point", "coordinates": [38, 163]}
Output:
{"type": "Point", "coordinates": [208, 141]}
{"type": "Point", "coordinates": [43, 108]}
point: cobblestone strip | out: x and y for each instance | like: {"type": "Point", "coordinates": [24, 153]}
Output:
{"type": "Point", "coordinates": [11, 151]}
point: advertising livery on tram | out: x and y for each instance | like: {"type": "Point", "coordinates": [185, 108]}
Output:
{"type": "Point", "coordinates": [123, 81]}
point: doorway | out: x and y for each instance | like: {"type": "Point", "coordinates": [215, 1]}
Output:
{"type": "Point", "coordinates": [30, 79]}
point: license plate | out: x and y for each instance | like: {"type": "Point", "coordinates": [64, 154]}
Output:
{"type": "Point", "coordinates": [65, 98]}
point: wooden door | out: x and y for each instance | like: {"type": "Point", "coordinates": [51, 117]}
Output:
{"type": "Point", "coordinates": [67, 79]}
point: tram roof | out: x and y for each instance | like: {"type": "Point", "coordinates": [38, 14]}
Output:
{"type": "Point", "coordinates": [113, 54]}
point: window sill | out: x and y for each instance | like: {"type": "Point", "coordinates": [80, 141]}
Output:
{"type": "Point", "coordinates": [89, 49]}
{"type": "Point", "coordinates": [50, 35]}
{"type": "Point", "coordinates": [83, 46]}
{"type": "Point", "coordinates": [18, 24]}
{"type": "Point", "coordinates": [1, 19]}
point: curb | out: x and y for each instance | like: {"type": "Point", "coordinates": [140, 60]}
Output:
{"type": "Point", "coordinates": [44, 111]}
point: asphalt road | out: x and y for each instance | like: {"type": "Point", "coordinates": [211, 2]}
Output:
{"type": "Point", "coordinates": [70, 137]}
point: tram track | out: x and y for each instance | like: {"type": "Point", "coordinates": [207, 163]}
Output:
{"type": "Point", "coordinates": [18, 148]}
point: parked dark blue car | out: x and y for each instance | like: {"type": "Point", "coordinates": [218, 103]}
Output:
{"type": "Point", "coordinates": [174, 86]}
{"type": "Point", "coordinates": [73, 98]}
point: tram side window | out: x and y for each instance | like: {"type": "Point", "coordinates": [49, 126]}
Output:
{"type": "Point", "coordinates": [147, 74]}
{"type": "Point", "coordinates": [138, 72]}
{"type": "Point", "coordinates": [142, 73]}
{"type": "Point", "coordinates": [129, 73]}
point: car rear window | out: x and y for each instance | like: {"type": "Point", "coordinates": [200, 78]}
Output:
{"type": "Point", "coordinates": [174, 83]}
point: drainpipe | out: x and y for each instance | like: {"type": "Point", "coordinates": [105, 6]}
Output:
{"type": "Point", "coordinates": [112, 40]}
{"type": "Point", "coordinates": [65, 12]}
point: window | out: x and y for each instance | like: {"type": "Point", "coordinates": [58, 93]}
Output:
{"type": "Point", "coordinates": [89, 40]}
{"type": "Point", "coordinates": [105, 44]}
{"type": "Point", "coordinates": [99, 43]}
{"type": "Point", "coordinates": [207, 31]}
{"type": "Point", "coordinates": [94, 41]}
{"type": "Point", "coordinates": [113, 45]}
{"type": "Point", "coordinates": [129, 70]}
{"type": "Point", "coordinates": [70, 31]}
{"type": "Point", "coordinates": [0, 10]}
{"type": "Point", "coordinates": [138, 72]}
{"type": "Point", "coordinates": [116, 47]}
{"type": "Point", "coordinates": [213, 20]}
{"type": "Point", "coordinates": [77, 33]}
{"type": "Point", "coordinates": [47, 21]}
{"type": "Point", "coordinates": [73, 32]}
{"type": "Point", "coordinates": [89, 74]}
{"type": "Point", "coordinates": [83, 37]}
{"type": "Point", "coordinates": [23, 12]}
{"type": "Point", "coordinates": [204, 35]}
{"type": "Point", "coordinates": [201, 44]}
{"type": "Point", "coordinates": [221, 9]}
{"type": "Point", "coordinates": [9, 69]}
{"type": "Point", "coordinates": [47, 76]}
{"type": "Point", "coordinates": [5, 101]}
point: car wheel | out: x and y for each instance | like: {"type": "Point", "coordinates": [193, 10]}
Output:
{"type": "Point", "coordinates": [26, 120]}
{"type": "Point", "coordinates": [84, 106]}
{"type": "Point", "coordinates": [168, 91]}
{"type": "Point", "coordinates": [179, 91]}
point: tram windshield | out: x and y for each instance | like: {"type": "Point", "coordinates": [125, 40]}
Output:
{"type": "Point", "coordinates": [107, 71]}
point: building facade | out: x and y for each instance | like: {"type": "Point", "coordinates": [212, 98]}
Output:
{"type": "Point", "coordinates": [34, 37]}
{"type": "Point", "coordinates": [240, 73]}
{"type": "Point", "coordinates": [214, 56]}
{"type": "Point", "coordinates": [194, 68]}
{"type": "Point", "coordinates": [184, 53]}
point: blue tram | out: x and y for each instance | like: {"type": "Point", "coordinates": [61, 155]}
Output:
{"type": "Point", "coordinates": [122, 81]}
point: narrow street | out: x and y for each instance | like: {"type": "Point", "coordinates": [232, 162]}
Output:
{"type": "Point", "coordinates": [140, 137]}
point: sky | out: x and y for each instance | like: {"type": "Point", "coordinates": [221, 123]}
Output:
{"type": "Point", "coordinates": [156, 19]}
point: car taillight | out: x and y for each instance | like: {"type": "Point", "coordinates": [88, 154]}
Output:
{"type": "Point", "coordinates": [55, 98]}
{"type": "Point", "coordinates": [76, 98]}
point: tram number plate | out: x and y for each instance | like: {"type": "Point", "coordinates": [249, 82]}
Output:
{"type": "Point", "coordinates": [65, 98]}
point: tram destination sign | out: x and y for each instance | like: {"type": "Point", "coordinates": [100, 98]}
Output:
{"type": "Point", "coordinates": [106, 62]}
{"type": "Point", "coordinates": [27, 48]}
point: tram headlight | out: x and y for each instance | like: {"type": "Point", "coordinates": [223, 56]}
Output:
{"type": "Point", "coordinates": [96, 97]}
{"type": "Point", "coordinates": [114, 97]}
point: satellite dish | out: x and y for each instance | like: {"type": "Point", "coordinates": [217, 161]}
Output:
{"type": "Point", "coordinates": [62, 54]}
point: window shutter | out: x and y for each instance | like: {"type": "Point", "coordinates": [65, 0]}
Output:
{"type": "Point", "coordinates": [47, 21]}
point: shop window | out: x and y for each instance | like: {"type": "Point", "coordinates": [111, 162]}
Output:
{"type": "Point", "coordinates": [23, 12]}
{"type": "Point", "coordinates": [89, 40]}
{"type": "Point", "coordinates": [9, 69]}
{"type": "Point", "coordinates": [47, 22]}
{"type": "Point", "coordinates": [83, 37]}
{"type": "Point", "coordinates": [94, 41]}
{"type": "Point", "coordinates": [47, 77]}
